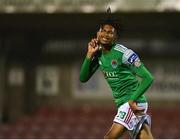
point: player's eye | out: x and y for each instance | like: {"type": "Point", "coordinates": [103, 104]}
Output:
{"type": "Point", "coordinates": [106, 31]}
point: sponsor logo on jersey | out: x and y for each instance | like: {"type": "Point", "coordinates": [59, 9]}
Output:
{"type": "Point", "coordinates": [114, 63]}
{"type": "Point", "coordinates": [133, 58]}
{"type": "Point", "coordinates": [112, 74]}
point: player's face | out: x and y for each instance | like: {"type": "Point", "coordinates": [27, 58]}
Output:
{"type": "Point", "coordinates": [106, 35]}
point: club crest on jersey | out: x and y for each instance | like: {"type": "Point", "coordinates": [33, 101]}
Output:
{"type": "Point", "coordinates": [114, 63]}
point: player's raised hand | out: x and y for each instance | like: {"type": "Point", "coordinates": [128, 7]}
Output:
{"type": "Point", "coordinates": [92, 48]}
{"type": "Point", "coordinates": [137, 110]}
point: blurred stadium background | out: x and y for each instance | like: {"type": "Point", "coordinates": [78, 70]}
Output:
{"type": "Point", "coordinates": [42, 45]}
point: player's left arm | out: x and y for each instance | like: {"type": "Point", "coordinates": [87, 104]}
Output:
{"type": "Point", "coordinates": [145, 82]}
{"type": "Point", "coordinates": [138, 68]}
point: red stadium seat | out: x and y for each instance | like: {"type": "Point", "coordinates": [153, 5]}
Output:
{"type": "Point", "coordinates": [83, 122]}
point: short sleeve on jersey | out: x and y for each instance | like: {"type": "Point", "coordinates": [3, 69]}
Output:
{"type": "Point", "coordinates": [131, 58]}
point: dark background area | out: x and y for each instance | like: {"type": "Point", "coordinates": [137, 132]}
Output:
{"type": "Point", "coordinates": [24, 44]}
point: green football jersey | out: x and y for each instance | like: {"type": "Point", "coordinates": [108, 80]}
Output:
{"type": "Point", "coordinates": [118, 71]}
{"type": "Point", "coordinates": [124, 72]}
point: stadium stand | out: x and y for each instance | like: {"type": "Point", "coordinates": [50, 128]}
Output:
{"type": "Point", "coordinates": [82, 122]}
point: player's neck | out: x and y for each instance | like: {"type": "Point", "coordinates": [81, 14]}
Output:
{"type": "Point", "coordinates": [107, 48]}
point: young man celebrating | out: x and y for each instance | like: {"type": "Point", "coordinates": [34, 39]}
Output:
{"type": "Point", "coordinates": [121, 67]}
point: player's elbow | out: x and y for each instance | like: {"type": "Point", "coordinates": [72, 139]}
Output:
{"type": "Point", "coordinates": [150, 79]}
{"type": "Point", "coordinates": [82, 79]}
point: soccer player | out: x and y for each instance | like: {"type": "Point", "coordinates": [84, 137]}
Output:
{"type": "Point", "coordinates": [126, 75]}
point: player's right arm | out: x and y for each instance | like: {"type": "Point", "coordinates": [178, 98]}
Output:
{"type": "Point", "coordinates": [90, 63]}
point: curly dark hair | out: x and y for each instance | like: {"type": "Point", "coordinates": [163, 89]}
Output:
{"type": "Point", "coordinates": [112, 22]}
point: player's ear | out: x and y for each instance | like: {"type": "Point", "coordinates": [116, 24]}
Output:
{"type": "Point", "coordinates": [115, 36]}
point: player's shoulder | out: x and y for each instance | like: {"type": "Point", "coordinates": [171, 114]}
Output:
{"type": "Point", "coordinates": [124, 50]}
{"type": "Point", "coordinates": [120, 48]}
{"type": "Point", "coordinates": [128, 55]}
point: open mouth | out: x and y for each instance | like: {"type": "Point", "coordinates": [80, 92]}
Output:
{"type": "Point", "coordinates": [105, 39]}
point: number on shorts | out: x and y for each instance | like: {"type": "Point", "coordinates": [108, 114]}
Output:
{"type": "Point", "coordinates": [122, 114]}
